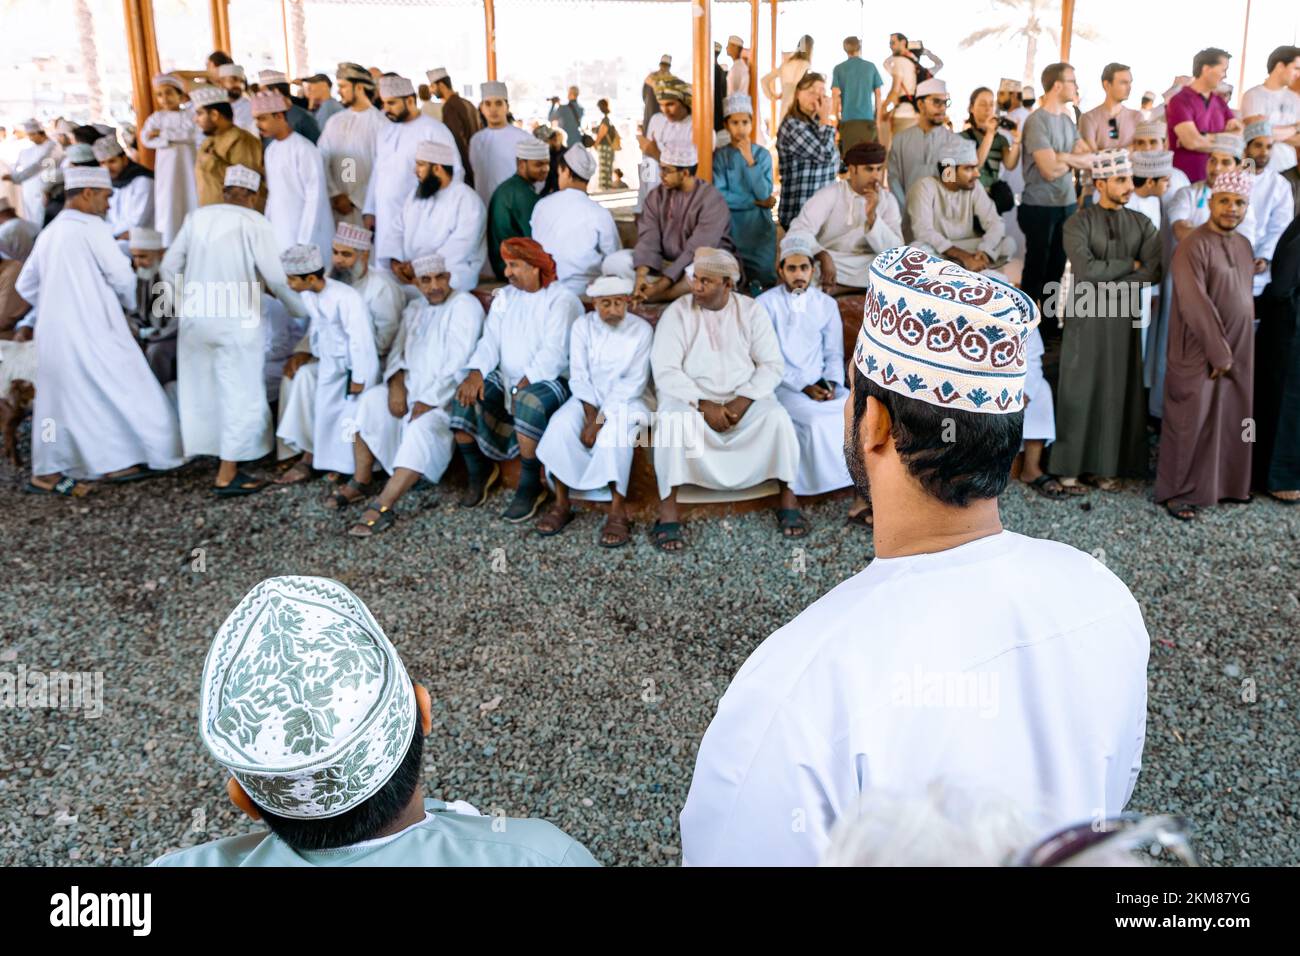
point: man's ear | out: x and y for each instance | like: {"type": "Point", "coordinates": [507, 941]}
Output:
{"type": "Point", "coordinates": [877, 426]}
{"type": "Point", "coordinates": [240, 798]}
{"type": "Point", "coordinates": [425, 706]}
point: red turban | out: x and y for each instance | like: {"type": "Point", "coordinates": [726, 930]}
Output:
{"type": "Point", "coordinates": [531, 252]}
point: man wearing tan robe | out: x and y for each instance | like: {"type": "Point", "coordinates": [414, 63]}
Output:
{"type": "Point", "coordinates": [1204, 452]}
{"type": "Point", "coordinates": [224, 145]}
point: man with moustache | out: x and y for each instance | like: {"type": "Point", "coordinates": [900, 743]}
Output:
{"type": "Point", "coordinates": [348, 143]}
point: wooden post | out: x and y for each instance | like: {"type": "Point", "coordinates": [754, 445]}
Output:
{"type": "Point", "coordinates": [142, 50]}
{"type": "Point", "coordinates": [1245, 38]}
{"type": "Point", "coordinates": [490, 28]}
{"type": "Point", "coordinates": [1067, 28]}
{"type": "Point", "coordinates": [221, 25]}
{"type": "Point", "coordinates": [284, 32]}
{"type": "Point", "coordinates": [702, 86]}
{"type": "Point", "coordinates": [776, 106]}
{"type": "Point", "coordinates": [753, 64]}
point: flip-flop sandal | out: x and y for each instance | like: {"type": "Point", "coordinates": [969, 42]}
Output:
{"type": "Point", "coordinates": [1284, 501]}
{"type": "Point", "coordinates": [866, 518]}
{"type": "Point", "coordinates": [299, 472]}
{"type": "Point", "coordinates": [140, 474]}
{"type": "Point", "coordinates": [618, 529]}
{"type": "Point", "coordinates": [792, 519]}
{"type": "Point", "coordinates": [368, 528]}
{"type": "Point", "coordinates": [65, 486]}
{"type": "Point", "coordinates": [1182, 512]}
{"type": "Point", "coordinates": [1076, 490]}
{"type": "Point", "coordinates": [242, 484]}
{"type": "Point", "coordinates": [665, 533]}
{"type": "Point", "coordinates": [548, 530]}
{"type": "Point", "coordinates": [1047, 486]}
{"type": "Point", "coordinates": [337, 500]}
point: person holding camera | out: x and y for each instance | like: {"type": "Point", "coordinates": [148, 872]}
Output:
{"type": "Point", "coordinates": [997, 144]}
{"type": "Point", "coordinates": [904, 66]}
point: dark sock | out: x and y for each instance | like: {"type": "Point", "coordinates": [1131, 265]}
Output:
{"type": "Point", "coordinates": [530, 477]}
{"type": "Point", "coordinates": [475, 463]}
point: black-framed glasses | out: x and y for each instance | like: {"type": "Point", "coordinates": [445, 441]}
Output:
{"type": "Point", "coordinates": [1125, 832]}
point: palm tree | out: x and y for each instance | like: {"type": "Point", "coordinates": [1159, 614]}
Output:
{"type": "Point", "coordinates": [1027, 21]}
{"type": "Point", "coordinates": [89, 59]}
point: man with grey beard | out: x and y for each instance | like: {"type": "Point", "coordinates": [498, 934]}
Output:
{"type": "Point", "coordinates": [384, 299]}
{"type": "Point", "coordinates": [155, 328]}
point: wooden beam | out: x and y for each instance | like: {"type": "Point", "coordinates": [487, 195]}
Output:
{"type": "Point", "coordinates": [142, 50]}
{"type": "Point", "coordinates": [776, 106]}
{"type": "Point", "coordinates": [1245, 39]}
{"type": "Point", "coordinates": [284, 32]}
{"type": "Point", "coordinates": [702, 85]}
{"type": "Point", "coordinates": [490, 34]}
{"type": "Point", "coordinates": [221, 25]}
{"type": "Point", "coordinates": [754, 6]}
{"type": "Point", "coordinates": [1067, 28]}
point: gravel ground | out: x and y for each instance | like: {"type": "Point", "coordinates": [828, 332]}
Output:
{"type": "Point", "coordinates": [569, 682]}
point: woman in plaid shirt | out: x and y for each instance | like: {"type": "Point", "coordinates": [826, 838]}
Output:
{"type": "Point", "coordinates": [805, 146]}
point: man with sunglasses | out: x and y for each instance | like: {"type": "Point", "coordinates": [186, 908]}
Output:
{"type": "Point", "coordinates": [915, 152]}
{"type": "Point", "coordinates": [1111, 125]}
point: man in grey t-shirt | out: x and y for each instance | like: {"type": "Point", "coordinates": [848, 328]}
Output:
{"type": "Point", "coordinates": [1050, 140]}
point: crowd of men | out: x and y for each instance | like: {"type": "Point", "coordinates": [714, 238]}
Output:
{"type": "Point", "coordinates": [357, 287]}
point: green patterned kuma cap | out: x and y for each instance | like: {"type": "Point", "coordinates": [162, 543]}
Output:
{"type": "Point", "coordinates": [305, 700]}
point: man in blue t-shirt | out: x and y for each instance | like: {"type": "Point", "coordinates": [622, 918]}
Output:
{"type": "Point", "coordinates": [855, 86]}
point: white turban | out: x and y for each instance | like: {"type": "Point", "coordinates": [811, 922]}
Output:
{"type": "Point", "coordinates": [243, 177]}
{"type": "Point", "coordinates": [430, 152]}
{"type": "Point", "coordinates": [86, 177]}
{"type": "Point", "coordinates": [436, 74]}
{"type": "Point", "coordinates": [394, 87]}
{"type": "Point", "coordinates": [580, 161]}
{"type": "Point", "coordinates": [302, 259]}
{"type": "Point", "coordinates": [799, 244]}
{"type": "Point", "coordinates": [230, 69]}
{"type": "Point", "coordinates": [430, 265]}
{"type": "Point", "coordinates": [145, 239]}
{"type": "Point", "coordinates": [607, 286]}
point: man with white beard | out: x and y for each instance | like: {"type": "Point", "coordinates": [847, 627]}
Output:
{"type": "Point", "coordinates": [343, 347]}
{"type": "Point", "coordinates": [348, 143]}
{"type": "Point", "coordinates": [811, 334]}
{"type": "Point", "coordinates": [296, 202]}
{"type": "Point", "coordinates": [154, 324]}
{"type": "Point", "coordinates": [132, 202]}
{"type": "Point", "coordinates": [492, 149]}
{"type": "Point", "coordinates": [384, 301]}
{"type": "Point", "coordinates": [575, 229]}
{"type": "Point", "coordinates": [393, 178]}
{"type": "Point", "coordinates": [99, 411]}
{"type": "Point", "coordinates": [404, 424]}
{"type": "Point", "coordinates": [225, 250]}
{"type": "Point", "coordinates": [33, 161]}
{"type": "Point", "coordinates": [442, 216]}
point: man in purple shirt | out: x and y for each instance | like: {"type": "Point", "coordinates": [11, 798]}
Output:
{"type": "Point", "coordinates": [1197, 112]}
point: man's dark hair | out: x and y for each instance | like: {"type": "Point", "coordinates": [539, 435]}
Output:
{"type": "Point", "coordinates": [977, 464]}
{"type": "Point", "coordinates": [225, 109]}
{"type": "Point", "coordinates": [1283, 54]}
{"type": "Point", "coordinates": [900, 36]}
{"type": "Point", "coordinates": [1208, 57]}
{"type": "Point", "coordinates": [689, 169]}
{"type": "Point", "coordinates": [1053, 74]}
{"type": "Point", "coordinates": [445, 81]}
{"type": "Point", "coordinates": [565, 165]}
{"type": "Point", "coordinates": [69, 193]}
{"type": "Point", "coordinates": [220, 58]}
{"type": "Point", "coordinates": [362, 822]}
{"type": "Point", "coordinates": [1109, 71]}
{"type": "Point", "coordinates": [281, 88]}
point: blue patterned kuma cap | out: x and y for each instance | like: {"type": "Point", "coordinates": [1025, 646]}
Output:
{"type": "Point", "coordinates": [305, 701]}
{"type": "Point", "coordinates": [941, 334]}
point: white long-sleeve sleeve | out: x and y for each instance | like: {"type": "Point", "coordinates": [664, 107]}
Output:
{"type": "Point", "coordinates": [636, 372]}
{"type": "Point", "coordinates": [362, 355]}
{"type": "Point", "coordinates": [580, 383]}
{"type": "Point", "coordinates": [551, 358]}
